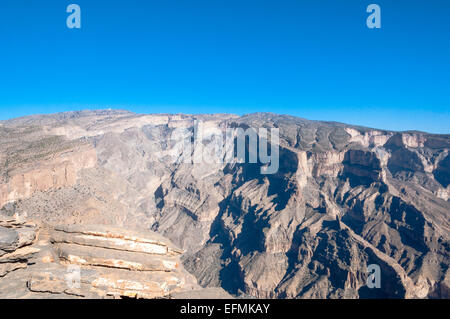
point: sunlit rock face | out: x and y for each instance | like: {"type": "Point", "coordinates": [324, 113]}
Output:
{"type": "Point", "coordinates": [90, 261]}
{"type": "Point", "coordinates": [344, 197]}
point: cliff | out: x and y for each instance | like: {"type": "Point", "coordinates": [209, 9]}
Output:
{"type": "Point", "coordinates": [344, 197]}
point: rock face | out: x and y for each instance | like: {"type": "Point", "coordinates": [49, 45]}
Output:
{"type": "Point", "coordinates": [90, 261]}
{"type": "Point", "coordinates": [344, 197]}
{"type": "Point", "coordinates": [60, 170]}
{"type": "Point", "coordinates": [15, 238]}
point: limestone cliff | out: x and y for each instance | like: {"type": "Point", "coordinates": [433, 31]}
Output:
{"type": "Point", "coordinates": [89, 261]}
{"type": "Point", "coordinates": [344, 197]}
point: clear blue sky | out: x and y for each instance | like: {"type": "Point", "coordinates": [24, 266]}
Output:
{"type": "Point", "coordinates": [310, 58]}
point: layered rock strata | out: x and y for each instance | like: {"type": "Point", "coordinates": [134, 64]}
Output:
{"type": "Point", "coordinates": [344, 197]}
{"type": "Point", "coordinates": [90, 261]}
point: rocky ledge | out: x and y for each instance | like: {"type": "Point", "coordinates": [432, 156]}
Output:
{"type": "Point", "coordinates": [90, 261]}
{"type": "Point", "coordinates": [15, 238]}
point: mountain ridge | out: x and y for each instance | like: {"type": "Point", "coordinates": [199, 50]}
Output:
{"type": "Point", "coordinates": [343, 198]}
{"type": "Point", "coordinates": [88, 112]}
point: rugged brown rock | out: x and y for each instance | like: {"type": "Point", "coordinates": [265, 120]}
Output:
{"type": "Point", "coordinates": [90, 261]}
{"type": "Point", "coordinates": [344, 197]}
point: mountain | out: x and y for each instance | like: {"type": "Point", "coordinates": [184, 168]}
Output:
{"type": "Point", "coordinates": [343, 198]}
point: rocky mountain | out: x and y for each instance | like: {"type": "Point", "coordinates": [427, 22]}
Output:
{"type": "Point", "coordinates": [343, 198]}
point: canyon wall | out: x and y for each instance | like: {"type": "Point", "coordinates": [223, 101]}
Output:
{"type": "Point", "coordinates": [344, 197]}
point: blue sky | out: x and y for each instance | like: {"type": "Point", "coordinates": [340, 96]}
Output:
{"type": "Point", "coordinates": [314, 59]}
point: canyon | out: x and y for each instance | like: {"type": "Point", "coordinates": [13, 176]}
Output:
{"type": "Point", "coordinates": [99, 190]}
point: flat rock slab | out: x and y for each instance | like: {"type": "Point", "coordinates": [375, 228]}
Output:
{"type": "Point", "coordinates": [8, 239]}
{"type": "Point", "coordinates": [9, 267]}
{"type": "Point", "coordinates": [110, 243]}
{"type": "Point", "coordinates": [115, 238]}
{"type": "Point", "coordinates": [26, 236]}
{"type": "Point", "coordinates": [104, 282]}
{"type": "Point", "coordinates": [139, 284]}
{"type": "Point", "coordinates": [116, 232]}
{"type": "Point", "coordinates": [20, 254]}
{"type": "Point", "coordinates": [95, 256]}
{"type": "Point", "coordinates": [10, 221]}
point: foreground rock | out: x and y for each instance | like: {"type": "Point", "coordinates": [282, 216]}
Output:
{"type": "Point", "coordinates": [89, 262]}
{"type": "Point", "coordinates": [15, 236]}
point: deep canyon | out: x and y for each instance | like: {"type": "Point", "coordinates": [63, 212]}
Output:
{"type": "Point", "coordinates": [94, 189]}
